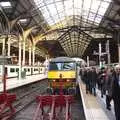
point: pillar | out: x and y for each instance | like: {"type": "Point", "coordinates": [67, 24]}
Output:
{"type": "Point", "coordinates": [8, 48]}
{"type": "Point", "coordinates": [30, 52]}
{"type": "Point", "coordinates": [23, 62]}
{"type": "Point", "coordinates": [20, 66]}
{"type": "Point", "coordinates": [3, 46]}
{"type": "Point", "coordinates": [3, 64]}
{"type": "Point", "coordinates": [87, 61]}
{"type": "Point", "coordinates": [33, 59]}
{"type": "Point", "coordinates": [100, 54]}
{"type": "Point", "coordinates": [108, 51]}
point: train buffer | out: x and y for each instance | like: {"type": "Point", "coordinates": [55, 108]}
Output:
{"type": "Point", "coordinates": [53, 107]}
{"type": "Point", "coordinates": [6, 105]}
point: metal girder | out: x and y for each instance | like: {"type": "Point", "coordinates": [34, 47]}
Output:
{"type": "Point", "coordinates": [116, 2]}
{"type": "Point", "coordinates": [113, 21]}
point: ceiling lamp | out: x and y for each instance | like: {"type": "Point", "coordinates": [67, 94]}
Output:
{"type": "Point", "coordinates": [23, 20]}
{"type": "Point", "coordinates": [6, 4]}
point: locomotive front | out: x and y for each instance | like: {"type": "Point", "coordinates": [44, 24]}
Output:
{"type": "Point", "coordinates": [62, 72]}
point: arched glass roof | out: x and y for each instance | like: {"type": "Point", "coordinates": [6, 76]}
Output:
{"type": "Point", "coordinates": [77, 14]}
{"type": "Point", "coordinates": [87, 11]}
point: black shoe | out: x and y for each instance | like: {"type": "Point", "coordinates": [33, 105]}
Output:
{"type": "Point", "coordinates": [101, 96]}
{"type": "Point", "coordinates": [108, 108]}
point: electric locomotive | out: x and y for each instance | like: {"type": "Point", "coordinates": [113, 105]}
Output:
{"type": "Point", "coordinates": [62, 73]}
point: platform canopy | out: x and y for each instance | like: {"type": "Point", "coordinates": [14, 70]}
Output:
{"type": "Point", "coordinates": [71, 23]}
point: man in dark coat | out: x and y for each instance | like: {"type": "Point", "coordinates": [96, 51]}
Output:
{"type": "Point", "coordinates": [102, 77]}
{"type": "Point", "coordinates": [108, 85]}
{"type": "Point", "coordinates": [93, 81]}
{"type": "Point", "coordinates": [87, 79]}
{"type": "Point", "coordinates": [116, 92]}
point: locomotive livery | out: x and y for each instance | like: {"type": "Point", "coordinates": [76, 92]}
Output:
{"type": "Point", "coordinates": [62, 72]}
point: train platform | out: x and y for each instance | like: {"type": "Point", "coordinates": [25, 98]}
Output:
{"type": "Point", "coordinates": [15, 82]}
{"type": "Point", "coordinates": [94, 106]}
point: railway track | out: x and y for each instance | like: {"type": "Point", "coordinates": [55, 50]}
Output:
{"type": "Point", "coordinates": [26, 105]}
{"type": "Point", "coordinates": [28, 112]}
{"type": "Point", "coordinates": [26, 95]}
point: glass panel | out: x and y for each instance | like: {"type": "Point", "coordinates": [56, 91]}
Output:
{"type": "Point", "coordinates": [48, 1]}
{"type": "Point", "coordinates": [12, 69]}
{"type": "Point", "coordinates": [72, 7]}
{"type": "Point", "coordinates": [68, 66]}
{"type": "Point", "coordinates": [17, 69]}
{"type": "Point", "coordinates": [55, 66]}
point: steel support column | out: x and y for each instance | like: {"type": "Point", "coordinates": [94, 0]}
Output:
{"type": "Point", "coordinates": [33, 59]}
{"type": "Point", "coordinates": [30, 52]}
{"type": "Point", "coordinates": [20, 67]}
{"type": "Point", "coordinates": [23, 62]}
{"type": "Point", "coordinates": [9, 44]}
{"type": "Point", "coordinates": [3, 46]}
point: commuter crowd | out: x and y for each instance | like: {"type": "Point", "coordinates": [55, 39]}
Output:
{"type": "Point", "coordinates": [107, 80]}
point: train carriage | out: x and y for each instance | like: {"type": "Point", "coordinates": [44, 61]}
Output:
{"type": "Point", "coordinates": [62, 72]}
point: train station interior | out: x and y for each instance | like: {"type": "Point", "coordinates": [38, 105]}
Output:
{"type": "Point", "coordinates": [32, 32]}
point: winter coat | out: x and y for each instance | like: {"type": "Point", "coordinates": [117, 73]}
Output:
{"type": "Point", "coordinates": [115, 86]}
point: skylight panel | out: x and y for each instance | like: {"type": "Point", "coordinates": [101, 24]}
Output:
{"type": "Point", "coordinates": [59, 6]}
{"type": "Point", "coordinates": [57, 10]}
{"type": "Point", "coordinates": [95, 5]}
{"type": "Point", "coordinates": [48, 1]}
{"type": "Point", "coordinates": [52, 9]}
{"type": "Point", "coordinates": [77, 4]}
{"type": "Point", "coordinates": [6, 4]}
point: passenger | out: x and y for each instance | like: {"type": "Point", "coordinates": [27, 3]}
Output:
{"type": "Point", "coordinates": [102, 78]}
{"type": "Point", "coordinates": [98, 79]}
{"type": "Point", "coordinates": [88, 78]}
{"type": "Point", "coordinates": [116, 92]}
{"type": "Point", "coordinates": [108, 84]}
{"type": "Point", "coordinates": [93, 81]}
{"type": "Point", "coordinates": [84, 78]}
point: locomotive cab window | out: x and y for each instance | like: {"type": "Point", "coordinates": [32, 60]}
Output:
{"type": "Point", "coordinates": [55, 66]}
{"type": "Point", "coordinates": [62, 66]}
{"type": "Point", "coordinates": [69, 66]}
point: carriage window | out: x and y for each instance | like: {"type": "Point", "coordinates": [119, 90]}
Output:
{"type": "Point", "coordinates": [17, 69]}
{"type": "Point", "coordinates": [36, 69]}
{"type": "Point", "coordinates": [68, 66]}
{"type": "Point", "coordinates": [28, 70]}
{"type": "Point", "coordinates": [12, 69]}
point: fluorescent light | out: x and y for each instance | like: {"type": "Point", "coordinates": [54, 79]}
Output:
{"type": "Point", "coordinates": [23, 20]}
{"type": "Point", "coordinates": [5, 4]}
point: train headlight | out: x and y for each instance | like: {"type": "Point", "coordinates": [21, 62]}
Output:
{"type": "Point", "coordinates": [68, 80]}
{"type": "Point", "coordinates": [53, 80]}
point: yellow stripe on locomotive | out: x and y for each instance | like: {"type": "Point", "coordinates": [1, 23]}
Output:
{"type": "Point", "coordinates": [65, 74]}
